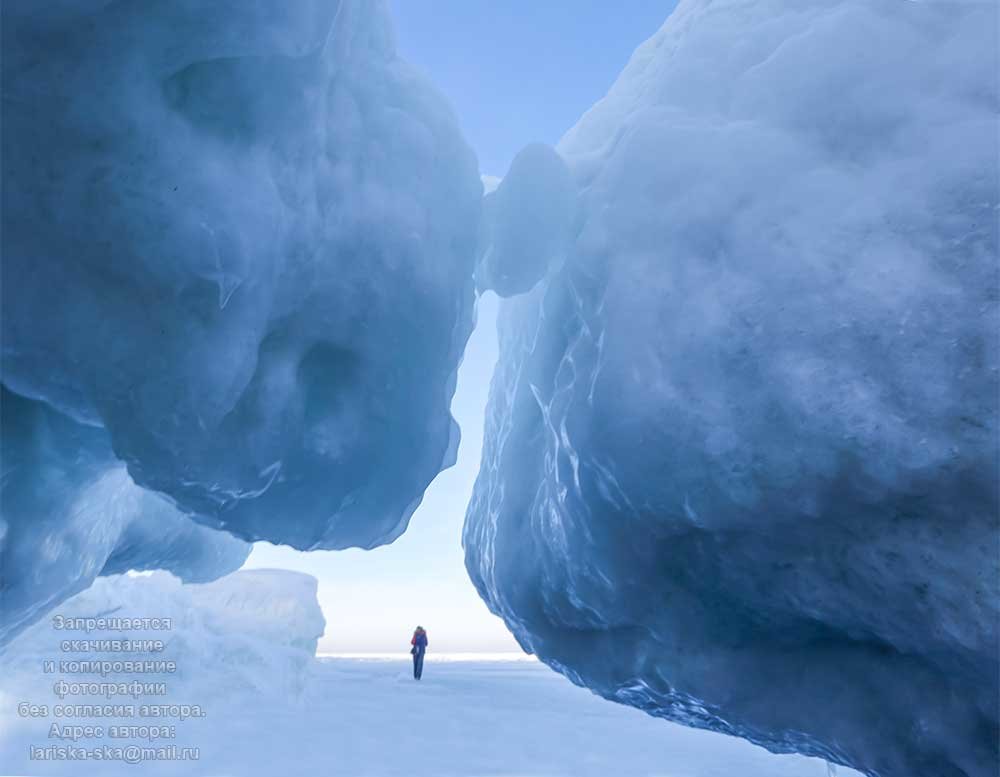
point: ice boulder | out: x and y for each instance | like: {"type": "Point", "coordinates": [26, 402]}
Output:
{"type": "Point", "coordinates": [741, 454]}
{"type": "Point", "coordinates": [70, 512]}
{"type": "Point", "coordinates": [240, 237]}
{"type": "Point", "coordinates": [526, 223]}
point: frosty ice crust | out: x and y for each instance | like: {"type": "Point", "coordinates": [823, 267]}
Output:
{"type": "Point", "coordinates": [741, 451]}
{"type": "Point", "coordinates": [71, 513]}
{"type": "Point", "coordinates": [526, 222]}
{"type": "Point", "coordinates": [254, 229]}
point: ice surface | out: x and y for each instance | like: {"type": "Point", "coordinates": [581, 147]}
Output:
{"type": "Point", "coordinates": [741, 456]}
{"type": "Point", "coordinates": [526, 221]}
{"type": "Point", "coordinates": [243, 646]}
{"type": "Point", "coordinates": [70, 512]}
{"type": "Point", "coordinates": [242, 239]}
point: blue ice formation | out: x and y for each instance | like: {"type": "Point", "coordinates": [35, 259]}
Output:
{"type": "Point", "coordinates": [70, 512]}
{"type": "Point", "coordinates": [740, 468]}
{"type": "Point", "coordinates": [526, 222]}
{"type": "Point", "coordinates": [240, 238]}
{"type": "Point", "coordinates": [741, 454]}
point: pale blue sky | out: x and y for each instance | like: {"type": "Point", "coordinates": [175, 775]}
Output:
{"type": "Point", "coordinates": [515, 72]}
{"type": "Point", "coordinates": [520, 71]}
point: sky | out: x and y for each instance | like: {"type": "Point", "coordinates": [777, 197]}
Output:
{"type": "Point", "coordinates": [522, 71]}
{"type": "Point", "coordinates": [516, 72]}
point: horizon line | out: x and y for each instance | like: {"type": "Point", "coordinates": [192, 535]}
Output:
{"type": "Point", "coordinates": [455, 656]}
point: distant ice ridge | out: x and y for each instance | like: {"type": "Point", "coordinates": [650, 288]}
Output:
{"type": "Point", "coordinates": [240, 238]}
{"type": "Point", "coordinates": [741, 460]}
{"type": "Point", "coordinates": [254, 631]}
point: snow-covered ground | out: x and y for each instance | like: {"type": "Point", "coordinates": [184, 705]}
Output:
{"type": "Point", "coordinates": [484, 718]}
{"type": "Point", "coordinates": [498, 717]}
{"type": "Point", "coordinates": [244, 648]}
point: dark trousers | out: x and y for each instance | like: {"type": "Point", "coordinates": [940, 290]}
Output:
{"type": "Point", "coordinates": [418, 664]}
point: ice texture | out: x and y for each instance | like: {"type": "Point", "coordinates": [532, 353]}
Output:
{"type": "Point", "coordinates": [740, 467]}
{"type": "Point", "coordinates": [241, 238]}
{"type": "Point", "coordinates": [70, 512]}
{"type": "Point", "coordinates": [254, 631]}
{"type": "Point", "coordinates": [526, 222]}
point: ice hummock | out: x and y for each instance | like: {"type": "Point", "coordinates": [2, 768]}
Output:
{"type": "Point", "coordinates": [240, 238]}
{"type": "Point", "coordinates": [250, 632]}
{"type": "Point", "coordinates": [741, 449]}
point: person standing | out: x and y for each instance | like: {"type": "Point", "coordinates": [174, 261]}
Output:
{"type": "Point", "coordinates": [419, 643]}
